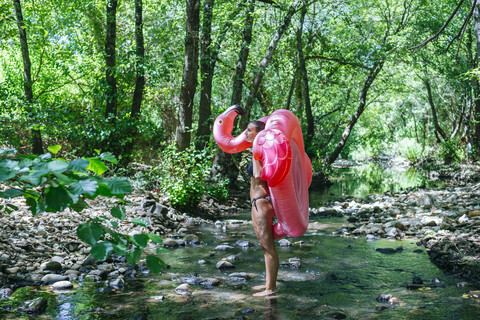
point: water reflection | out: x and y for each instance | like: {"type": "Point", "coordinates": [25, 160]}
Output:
{"type": "Point", "coordinates": [371, 178]}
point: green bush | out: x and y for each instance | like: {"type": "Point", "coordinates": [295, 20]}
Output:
{"type": "Point", "coordinates": [411, 150]}
{"type": "Point", "coordinates": [449, 151]}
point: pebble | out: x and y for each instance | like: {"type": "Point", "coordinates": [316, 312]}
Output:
{"type": "Point", "coordinates": [62, 285]}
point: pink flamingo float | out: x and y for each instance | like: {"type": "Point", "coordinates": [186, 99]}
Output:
{"type": "Point", "coordinates": [286, 166]}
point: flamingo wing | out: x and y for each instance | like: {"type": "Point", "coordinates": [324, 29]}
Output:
{"type": "Point", "coordinates": [273, 149]}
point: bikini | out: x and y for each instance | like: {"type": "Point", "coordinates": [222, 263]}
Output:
{"type": "Point", "coordinates": [254, 200]}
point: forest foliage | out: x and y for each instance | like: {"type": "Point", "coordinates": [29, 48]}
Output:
{"type": "Point", "coordinates": [143, 81]}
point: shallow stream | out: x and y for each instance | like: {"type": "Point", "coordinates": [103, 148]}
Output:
{"type": "Point", "coordinates": [339, 278]}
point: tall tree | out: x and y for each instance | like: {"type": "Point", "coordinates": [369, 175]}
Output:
{"type": "Point", "coordinates": [476, 109]}
{"type": "Point", "coordinates": [110, 43]}
{"type": "Point", "coordinates": [305, 87]}
{"type": "Point", "coordinates": [189, 78]}
{"type": "Point", "coordinates": [37, 145]}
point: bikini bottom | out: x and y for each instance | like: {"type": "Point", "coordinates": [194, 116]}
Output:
{"type": "Point", "coordinates": [254, 200]}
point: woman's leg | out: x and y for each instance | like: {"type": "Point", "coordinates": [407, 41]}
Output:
{"type": "Point", "coordinates": [262, 223]}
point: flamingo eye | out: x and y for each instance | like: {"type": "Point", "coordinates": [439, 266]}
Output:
{"type": "Point", "coordinates": [220, 122]}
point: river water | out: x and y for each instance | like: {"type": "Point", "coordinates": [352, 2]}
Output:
{"type": "Point", "coordinates": [339, 278]}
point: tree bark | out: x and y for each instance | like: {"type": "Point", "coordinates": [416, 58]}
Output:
{"type": "Point", "coordinates": [305, 87]}
{"type": "Point", "coordinates": [268, 56]}
{"type": "Point", "coordinates": [189, 77]}
{"type": "Point", "coordinates": [139, 62]}
{"type": "Point", "coordinates": [361, 107]}
{"type": "Point", "coordinates": [476, 112]}
{"type": "Point", "coordinates": [434, 112]}
{"type": "Point", "coordinates": [209, 53]}
{"type": "Point", "coordinates": [37, 144]}
{"type": "Point", "coordinates": [110, 40]}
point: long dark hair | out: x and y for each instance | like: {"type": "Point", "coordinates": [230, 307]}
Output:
{"type": "Point", "coordinates": [259, 125]}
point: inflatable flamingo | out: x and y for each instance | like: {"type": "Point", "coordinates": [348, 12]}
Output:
{"type": "Point", "coordinates": [286, 167]}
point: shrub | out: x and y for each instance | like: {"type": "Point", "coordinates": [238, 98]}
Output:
{"type": "Point", "coordinates": [411, 150]}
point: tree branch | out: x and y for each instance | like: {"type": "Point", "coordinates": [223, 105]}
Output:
{"type": "Point", "coordinates": [423, 44]}
{"type": "Point", "coordinates": [345, 63]}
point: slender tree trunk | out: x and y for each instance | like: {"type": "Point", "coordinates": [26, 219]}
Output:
{"type": "Point", "coordinates": [361, 107]}
{"type": "Point", "coordinates": [139, 62]}
{"type": "Point", "coordinates": [110, 40]}
{"type": "Point", "coordinates": [209, 53]}
{"type": "Point", "coordinates": [238, 80]}
{"type": "Point", "coordinates": [476, 113]}
{"type": "Point", "coordinates": [224, 165]}
{"type": "Point", "coordinates": [268, 56]}
{"type": "Point", "coordinates": [189, 78]}
{"type": "Point", "coordinates": [434, 112]}
{"type": "Point", "coordinates": [305, 87]}
{"type": "Point", "coordinates": [290, 92]}
{"type": "Point", "coordinates": [139, 85]}
{"type": "Point", "coordinates": [37, 145]}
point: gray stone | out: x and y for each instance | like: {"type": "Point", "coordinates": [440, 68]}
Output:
{"type": "Point", "coordinates": [53, 266]}
{"type": "Point", "coordinates": [191, 239]}
{"type": "Point", "coordinates": [243, 244]}
{"type": "Point", "coordinates": [170, 243]}
{"type": "Point", "coordinates": [224, 265]}
{"type": "Point", "coordinates": [35, 306]}
{"type": "Point", "coordinates": [224, 247]}
{"type": "Point", "coordinates": [183, 289]}
{"type": "Point", "coordinates": [52, 278]}
{"type": "Point", "coordinates": [284, 243]}
{"type": "Point", "coordinates": [5, 293]}
{"type": "Point", "coordinates": [62, 285]}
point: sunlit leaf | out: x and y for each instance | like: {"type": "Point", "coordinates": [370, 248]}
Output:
{"type": "Point", "coordinates": [101, 250]}
{"type": "Point", "coordinates": [90, 232]}
{"type": "Point", "coordinates": [54, 149]}
{"type": "Point", "coordinates": [96, 165]}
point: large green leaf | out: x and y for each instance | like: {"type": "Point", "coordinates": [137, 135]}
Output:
{"type": "Point", "coordinates": [96, 165]}
{"type": "Point", "coordinates": [58, 166]}
{"type": "Point", "coordinates": [119, 186]}
{"type": "Point", "coordinates": [57, 199]}
{"type": "Point", "coordinates": [90, 232]}
{"type": "Point", "coordinates": [11, 193]}
{"type": "Point", "coordinates": [155, 238]}
{"type": "Point", "coordinates": [101, 250]}
{"type": "Point", "coordinates": [54, 149]}
{"type": "Point", "coordinates": [140, 240]}
{"type": "Point", "coordinates": [79, 164]}
{"type": "Point", "coordinates": [87, 186]}
{"type": "Point", "coordinates": [133, 255]}
{"type": "Point", "coordinates": [140, 222]}
{"type": "Point", "coordinates": [155, 264]}
{"type": "Point", "coordinates": [35, 177]}
{"type": "Point", "coordinates": [118, 212]}
{"type": "Point", "coordinates": [107, 156]}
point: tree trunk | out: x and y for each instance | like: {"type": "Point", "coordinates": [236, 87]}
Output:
{"type": "Point", "coordinates": [476, 113]}
{"type": "Point", "coordinates": [305, 87]}
{"type": "Point", "coordinates": [209, 54]}
{"type": "Point", "coordinates": [224, 163]}
{"type": "Point", "coordinates": [110, 39]}
{"type": "Point", "coordinates": [434, 112]}
{"type": "Point", "coordinates": [37, 145]}
{"type": "Point", "coordinates": [132, 130]}
{"type": "Point", "coordinates": [189, 78]}
{"type": "Point", "coordinates": [139, 62]}
{"type": "Point", "coordinates": [268, 56]}
{"type": "Point", "coordinates": [361, 107]}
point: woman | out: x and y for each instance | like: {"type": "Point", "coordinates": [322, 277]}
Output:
{"type": "Point", "coordinates": [262, 216]}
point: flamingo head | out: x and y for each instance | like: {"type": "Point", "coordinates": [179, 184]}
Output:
{"type": "Point", "coordinates": [222, 131]}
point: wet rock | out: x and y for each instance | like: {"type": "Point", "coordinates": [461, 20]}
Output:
{"type": "Point", "coordinates": [241, 275]}
{"type": "Point", "coordinates": [53, 266]}
{"type": "Point", "coordinates": [104, 290]}
{"type": "Point", "coordinates": [116, 283]}
{"type": "Point", "coordinates": [417, 280]}
{"type": "Point", "coordinates": [284, 243]}
{"type": "Point", "coordinates": [224, 265]}
{"type": "Point", "coordinates": [224, 247]}
{"type": "Point", "coordinates": [336, 315]}
{"type": "Point", "coordinates": [244, 244]}
{"type": "Point", "coordinates": [389, 250]}
{"type": "Point", "coordinates": [35, 306]}
{"type": "Point", "coordinates": [183, 289]}
{"type": "Point", "coordinates": [414, 286]}
{"type": "Point", "coordinates": [202, 262]}
{"type": "Point", "coordinates": [191, 239]}
{"type": "Point", "coordinates": [62, 285]}
{"type": "Point", "coordinates": [52, 278]}
{"type": "Point", "coordinates": [383, 297]}
{"type": "Point", "coordinates": [170, 243]}
{"type": "Point", "coordinates": [208, 282]}
{"type": "Point", "coordinates": [248, 310]}
{"type": "Point", "coordinates": [5, 293]}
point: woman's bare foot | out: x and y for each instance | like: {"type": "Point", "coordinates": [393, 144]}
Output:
{"type": "Point", "coordinates": [260, 287]}
{"type": "Point", "coordinates": [264, 293]}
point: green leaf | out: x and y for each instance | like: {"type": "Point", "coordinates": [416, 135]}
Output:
{"type": "Point", "coordinates": [133, 255]}
{"type": "Point", "coordinates": [118, 212]}
{"type": "Point", "coordinates": [79, 205]}
{"type": "Point", "coordinates": [101, 250]}
{"type": "Point", "coordinates": [103, 190]}
{"type": "Point", "coordinates": [57, 199]}
{"type": "Point", "coordinates": [114, 224]}
{"type": "Point", "coordinates": [119, 186]}
{"type": "Point", "coordinates": [87, 186]}
{"type": "Point", "coordinates": [155, 238]}
{"type": "Point", "coordinates": [57, 166]}
{"type": "Point", "coordinates": [79, 164]}
{"type": "Point", "coordinates": [63, 178]}
{"type": "Point", "coordinates": [90, 232]}
{"type": "Point", "coordinates": [35, 177]}
{"type": "Point", "coordinates": [54, 149]}
{"type": "Point", "coordinates": [107, 156]}
{"type": "Point", "coordinates": [140, 222]}
{"type": "Point", "coordinates": [96, 165]}
{"type": "Point", "coordinates": [155, 264]}
{"type": "Point", "coordinates": [140, 240]}
{"type": "Point", "coordinates": [36, 207]}
{"type": "Point", "coordinates": [11, 193]}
